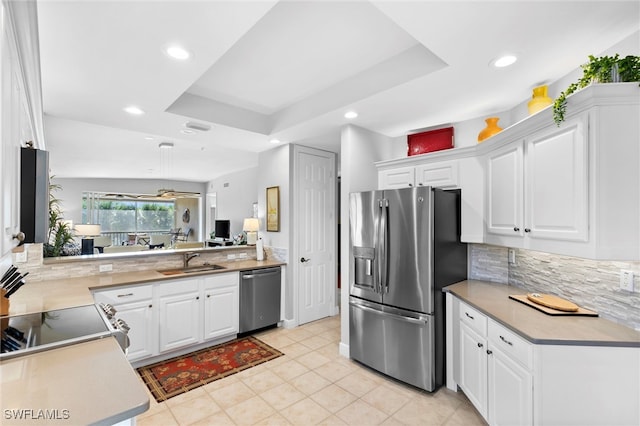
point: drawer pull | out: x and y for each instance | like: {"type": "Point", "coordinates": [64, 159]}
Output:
{"type": "Point", "coordinates": [489, 351]}
{"type": "Point", "coordinates": [469, 316]}
{"type": "Point", "coordinates": [516, 229]}
{"type": "Point", "coordinates": [125, 295]}
{"type": "Point", "coordinates": [480, 345]}
{"type": "Point", "coordinates": [506, 341]}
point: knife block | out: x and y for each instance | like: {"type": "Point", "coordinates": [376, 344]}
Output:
{"type": "Point", "coordinates": [4, 303]}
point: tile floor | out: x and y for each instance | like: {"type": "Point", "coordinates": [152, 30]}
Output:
{"type": "Point", "coordinates": [310, 385]}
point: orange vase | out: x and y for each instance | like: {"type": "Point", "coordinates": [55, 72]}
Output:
{"type": "Point", "coordinates": [491, 129]}
{"type": "Point", "coordinates": [539, 100]}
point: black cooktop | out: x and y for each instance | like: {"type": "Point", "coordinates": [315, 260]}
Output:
{"type": "Point", "coordinates": [26, 333]}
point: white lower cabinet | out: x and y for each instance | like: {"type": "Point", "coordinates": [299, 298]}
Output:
{"type": "Point", "coordinates": [179, 314]}
{"type": "Point", "coordinates": [169, 315]}
{"type": "Point", "coordinates": [473, 368]}
{"type": "Point", "coordinates": [494, 369]}
{"type": "Point", "coordinates": [134, 304]}
{"type": "Point", "coordinates": [221, 305]}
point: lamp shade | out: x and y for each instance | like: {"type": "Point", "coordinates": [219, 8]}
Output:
{"type": "Point", "coordinates": [88, 229]}
{"type": "Point", "coordinates": [251, 225]}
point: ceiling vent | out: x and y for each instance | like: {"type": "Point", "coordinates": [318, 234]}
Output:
{"type": "Point", "coordinates": [197, 126]}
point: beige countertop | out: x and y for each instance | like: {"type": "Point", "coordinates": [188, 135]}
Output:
{"type": "Point", "coordinates": [39, 296]}
{"type": "Point", "coordinates": [85, 383]}
{"type": "Point", "coordinates": [82, 384]}
{"type": "Point", "coordinates": [537, 327]}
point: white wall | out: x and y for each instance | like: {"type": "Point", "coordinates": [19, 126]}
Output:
{"type": "Point", "coordinates": [359, 150]}
{"type": "Point", "coordinates": [235, 195]}
{"type": "Point", "coordinates": [273, 170]}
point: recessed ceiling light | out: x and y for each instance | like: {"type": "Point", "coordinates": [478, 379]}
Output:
{"type": "Point", "coordinates": [274, 140]}
{"type": "Point", "coordinates": [149, 138]}
{"type": "Point", "coordinates": [134, 110]}
{"type": "Point", "coordinates": [165, 145]}
{"type": "Point", "coordinates": [350, 115]}
{"type": "Point", "coordinates": [187, 131]}
{"type": "Point", "coordinates": [178, 52]}
{"type": "Point", "coordinates": [504, 61]}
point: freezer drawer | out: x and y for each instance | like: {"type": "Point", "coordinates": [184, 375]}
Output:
{"type": "Point", "coordinates": [259, 298]}
{"type": "Point", "coordinates": [395, 342]}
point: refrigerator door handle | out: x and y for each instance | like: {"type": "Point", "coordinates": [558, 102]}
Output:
{"type": "Point", "coordinates": [377, 283]}
{"type": "Point", "coordinates": [390, 315]}
{"type": "Point", "coordinates": [384, 247]}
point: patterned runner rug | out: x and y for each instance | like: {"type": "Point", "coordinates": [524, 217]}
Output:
{"type": "Point", "coordinates": [174, 376]}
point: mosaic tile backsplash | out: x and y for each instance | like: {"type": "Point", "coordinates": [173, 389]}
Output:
{"type": "Point", "coordinates": [591, 284]}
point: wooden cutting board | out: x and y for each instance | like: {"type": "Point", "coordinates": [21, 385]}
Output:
{"type": "Point", "coordinates": [522, 298]}
{"type": "Point", "coordinates": [553, 302]}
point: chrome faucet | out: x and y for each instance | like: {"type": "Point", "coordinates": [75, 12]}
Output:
{"type": "Point", "coordinates": [187, 257]}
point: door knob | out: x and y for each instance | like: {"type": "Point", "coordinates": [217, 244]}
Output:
{"type": "Point", "coordinates": [303, 260]}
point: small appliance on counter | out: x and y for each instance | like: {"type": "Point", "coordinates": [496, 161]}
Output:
{"type": "Point", "coordinates": [36, 332]}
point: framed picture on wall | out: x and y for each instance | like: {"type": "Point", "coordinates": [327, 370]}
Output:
{"type": "Point", "coordinates": [273, 209]}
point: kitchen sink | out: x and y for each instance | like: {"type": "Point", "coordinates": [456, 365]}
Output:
{"type": "Point", "coordinates": [190, 269]}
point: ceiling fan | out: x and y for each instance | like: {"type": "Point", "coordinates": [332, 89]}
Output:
{"type": "Point", "coordinates": [171, 193]}
{"type": "Point", "coordinates": [162, 193]}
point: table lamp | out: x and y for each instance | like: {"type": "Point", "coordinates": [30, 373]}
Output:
{"type": "Point", "coordinates": [251, 226]}
{"type": "Point", "coordinates": [87, 230]}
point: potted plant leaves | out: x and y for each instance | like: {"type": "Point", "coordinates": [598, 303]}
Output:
{"type": "Point", "coordinates": [603, 69]}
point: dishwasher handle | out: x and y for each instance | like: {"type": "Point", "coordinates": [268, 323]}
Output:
{"type": "Point", "coordinates": [263, 274]}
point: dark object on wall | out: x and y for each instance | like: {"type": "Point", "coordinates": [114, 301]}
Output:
{"type": "Point", "coordinates": [433, 140]}
{"type": "Point", "coordinates": [34, 194]}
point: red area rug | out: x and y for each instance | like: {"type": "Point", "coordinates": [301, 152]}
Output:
{"type": "Point", "coordinates": [172, 377]}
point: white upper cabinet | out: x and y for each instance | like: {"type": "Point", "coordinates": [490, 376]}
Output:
{"type": "Point", "coordinates": [537, 188]}
{"type": "Point", "coordinates": [448, 169]}
{"type": "Point", "coordinates": [572, 189]}
{"type": "Point", "coordinates": [439, 175]}
{"type": "Point", "coordinates": [556, 184]}
{"type": "Point", "coordinates": [505, 192]}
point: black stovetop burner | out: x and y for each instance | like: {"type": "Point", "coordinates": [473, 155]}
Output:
{"type": "Point", "coordinates": [28, 333]}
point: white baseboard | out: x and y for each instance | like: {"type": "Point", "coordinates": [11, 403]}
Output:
{"type": "Point", "coordinates": [290, 323]}
{"type": "Point", "coordinates": [334, 310]}
{"type": "Point", "coordinates": [343, 349]}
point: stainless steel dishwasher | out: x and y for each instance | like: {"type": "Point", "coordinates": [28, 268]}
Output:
{"type": "Point", "coordinates": [259, 298]}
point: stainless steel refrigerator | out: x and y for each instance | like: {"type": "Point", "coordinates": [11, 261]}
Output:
{"type": "Point", "coordinates": [406, 247]}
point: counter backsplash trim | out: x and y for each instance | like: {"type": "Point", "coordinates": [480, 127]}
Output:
{"type": "Point", "coordinates": [588, 283]}
{"type": "Point", "coordinates": [39, 271]}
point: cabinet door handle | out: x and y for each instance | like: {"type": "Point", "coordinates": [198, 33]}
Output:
{"type": "Point", "coordinates": [489, 351]}
{"type": "Point", "coordinates": [410, 184]}
{"type": "Point", "coordinates": [125, 295]}
{"type": "Point", "coordinates": [469, 316]}
{"type": "Point", "coordinates": [527, 230]}
{"type": "Point", "coordinates": [516, 229]}
{"type": "Point", "coordinates": [197, 297]}
{"type": "Point", "coordinates": [151, 306]}
{"type": "Point", "coordinates": [208, 295]}
{"type": "Point", "coordinates": [480, 345]}
{"type": "Point", "coordinates": [506, 341]}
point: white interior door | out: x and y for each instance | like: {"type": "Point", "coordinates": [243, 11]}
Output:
{"type": "Point", "coordinates": [315, 233]}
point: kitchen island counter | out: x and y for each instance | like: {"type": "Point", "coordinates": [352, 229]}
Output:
{"type": "Point", "coordinates": [40, 296]}
{"type": "Point", "coordinates": [537, 327]}
{"type": "Point", "coordinates": [81, 384]}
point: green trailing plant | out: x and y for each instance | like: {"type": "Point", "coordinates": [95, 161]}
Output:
{"type": "Point", "coordinates": [604, 69]}
{"type": "Point", "coordinates": [59, 233]}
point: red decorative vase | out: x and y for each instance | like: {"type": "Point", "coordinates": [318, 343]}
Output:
{"type": "Point", "coordinates": [491, 129]}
